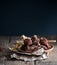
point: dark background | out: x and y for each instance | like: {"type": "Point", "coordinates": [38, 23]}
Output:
{"type": "Point", "coordinates": [28, 17]}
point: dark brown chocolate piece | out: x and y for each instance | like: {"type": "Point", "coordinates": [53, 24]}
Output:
{"type": "Point", "coordinates": [27, 41]}
{"type": "Point", "coordinates": [35, 38]}
{"type": "Point", "coordinates": [44, 42]}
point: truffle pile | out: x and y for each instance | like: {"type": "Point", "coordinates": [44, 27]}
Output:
{"type": "Point", "coordinates": [33, 43]}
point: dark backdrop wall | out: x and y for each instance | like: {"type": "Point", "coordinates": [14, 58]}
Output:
{"type": "Point", "coordinates": [28, 17]}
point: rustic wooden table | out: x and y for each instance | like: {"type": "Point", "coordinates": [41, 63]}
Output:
{"type": "Point", "coordinates": [5, 42]}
